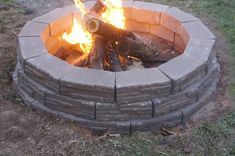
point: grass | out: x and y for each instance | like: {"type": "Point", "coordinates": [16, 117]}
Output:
{"type": "Point", "coordinates": [211, 139]}
{"type": "Point", "coordinates": [222, 132]}
{"type": "Point", "coordinates": [223, 13]}
{"type": "Point", "coordinates": [6, 1]}
{"type": "Point", "coordinates": [216, 138]}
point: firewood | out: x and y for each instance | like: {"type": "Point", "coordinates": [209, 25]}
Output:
{"type": "Point", "coordinates": [96, 26]}
{"type": "Point", "coordinates": [80, 61]}
{"type": "Point", "coordinates": [115, 62]}
{"type": "Point", "coordinates": [113, 58]}
{"type": "Point", "coordinates": [62, 53]}
{"type": "Point", "coordinates": [73, 55]}
{"type": "Point", "coordinates": [137, 49]}
{"type": "Point", "coordinates": [98, 8]}
{"type": "Point", "coordinates": [129, 44]}
{"type": "Point", "coordinates": [97, 54]}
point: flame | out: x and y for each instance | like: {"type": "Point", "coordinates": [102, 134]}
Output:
{"type": "Point", "coordinates": [79, 4]}
{"type": "Point", "coordinates": [114, 13]}
{"type": "Point", "coordinates": [79, 36]}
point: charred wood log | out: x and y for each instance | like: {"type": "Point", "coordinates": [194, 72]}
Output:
{"type": "Point", "coordinates": [62, 53]}
{"type": "Point", "coordinates": [96, 26]}
{"type": "Point", "coordinates": [81, 61]}
{"type": "Point", "coordinates": [97, 54]}
{"type": "Point", "coordinates": [113, 58]}
{"type": "Point", "coordinates": [73, 55]}
{"type": "Point", "coordinates": [98, 8]}
{"type": "Point", "coordinates": [129, 44]}
{"type": "Point", "coordinates": [137, 49]}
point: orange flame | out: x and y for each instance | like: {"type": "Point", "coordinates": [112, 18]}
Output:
{"type": "Point", "coordinates": [114, 14]}
{"type": "Point", "coordinates": [79, 36]}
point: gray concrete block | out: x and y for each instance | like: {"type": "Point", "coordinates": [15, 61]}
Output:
{"type": "Point", "coordinates": [141, 79]}
{"type": "Point", "coordinates": [71, 9]}
{"type": "Point", "coordinates": [59, 19]}
{"type": "Point", "coordinates": [200, 49]}
{"type": "Point", "coordinates": [105, 117]}
{"type": "Point", "coordinates": [52, 15]}
{"type": "Point", "coordinates": [137, 110]}
{"type": "Point", "coordinates": [156, 123]}
{"type": "Point", "coordinates": [174, 105]}
{"type": "Point", "coordinates": [80, 108]}
{"type": "Point", "coordinates": [191, 109]}
{"type": "Point", "coordinates": [173, 18]}
{"type": "Point", "coordinates": [26, 98]}
{"type": "Point", "coordinates": [150, 6]}
{"type": "Point", "coordinates": [106, 107]}
{"type": "Point", "coordinates": [101, 82]}
{"type": "Point", "coordinates": [180, 15]}
{"type": "Point", "coordinates": [111, 126]}
{"type": "Point", "coordinates": [133, 86]}
{"type": "Point", "coordinates": [183, 68]}
{"type": "Point", "coordinates": [33, 88]}
{"type": "Point", "coordinates": [34, 29]}
{"type": "Point", "coordinates": [147, 12]}
{"type": "Point", "coordinates": [31, 47]}
{"type": "Point", "coordinates": [197, 30]}
{"type": "Point", "coordinates": [47, 70]}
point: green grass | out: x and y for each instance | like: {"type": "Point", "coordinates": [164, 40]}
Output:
{"type": "Point", "coordinates": [223, 13]}
{"type": "Point", "coordinates": [222, 132]}
{"type": "Point", "coordinates": [218, 138]}
{"type": "Point", "coordinates": [6, 1]}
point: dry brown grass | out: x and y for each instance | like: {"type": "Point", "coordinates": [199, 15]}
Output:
{"type": "Point", "coordinates": [24, 131]}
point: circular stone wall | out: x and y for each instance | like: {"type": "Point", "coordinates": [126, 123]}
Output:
{"type": "Point", "coordinates": [129, 101]}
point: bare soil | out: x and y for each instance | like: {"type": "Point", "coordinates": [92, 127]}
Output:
{"type": "Point", "coordinates": [24, 131]}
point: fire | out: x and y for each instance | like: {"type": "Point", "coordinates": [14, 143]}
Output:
{"type": "Point", "coordinates": [81, 6]}
{"type": "Point", "coordinates": [114, 14]}
{"type": "Point", "coordinates": [79, 36]}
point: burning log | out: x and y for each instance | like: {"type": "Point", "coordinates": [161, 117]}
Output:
{"type": "Point", "coordinates": [73, 55]}
{"type": "Point", "coordinates": [96, 26]}
{"type": "Point", "coordinates": [62, 53]}
{"type": "Point", "coordinates": [98, 8]}
{"type": "Point", "coordinates": [113, 58]}
{"type": "Point", "coordinates": [80, 61]}
{"type": "Point", "coordinates": [137, 49]}
{"type": "Point", "coordinates": [97, 54]}
{"type": "Point", "coordinates": [129, 44]}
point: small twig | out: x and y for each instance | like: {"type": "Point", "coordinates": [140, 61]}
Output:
{"type": "Point", "coordinates": [103, 136]}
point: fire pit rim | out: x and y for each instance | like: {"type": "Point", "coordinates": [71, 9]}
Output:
{"type": "Point", "coordinates": [198, 57]}
{"type": "Point", "coordinates": [167, 13]}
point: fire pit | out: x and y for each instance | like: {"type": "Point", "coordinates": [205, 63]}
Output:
{"type": "Point", "coordinates": [52, 72]}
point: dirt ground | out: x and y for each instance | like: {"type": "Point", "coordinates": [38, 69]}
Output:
{"type": "Point", "coordinates": [25, 131]}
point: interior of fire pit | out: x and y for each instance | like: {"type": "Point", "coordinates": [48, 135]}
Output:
{"type": "Point", "coordinates": [168, 42]}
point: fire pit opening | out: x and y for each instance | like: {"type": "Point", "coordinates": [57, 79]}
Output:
{"type": "Point", "coordinates": [105, 36]}
{"type": "Point", "coordinates": [156, 65]}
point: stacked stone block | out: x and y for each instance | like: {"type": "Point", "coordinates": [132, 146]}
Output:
{"type": "Point", "coordinates": [125, 102]}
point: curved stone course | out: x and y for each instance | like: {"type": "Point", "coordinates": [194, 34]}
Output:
{"type": "Point", "coordinates": [145, 99]}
